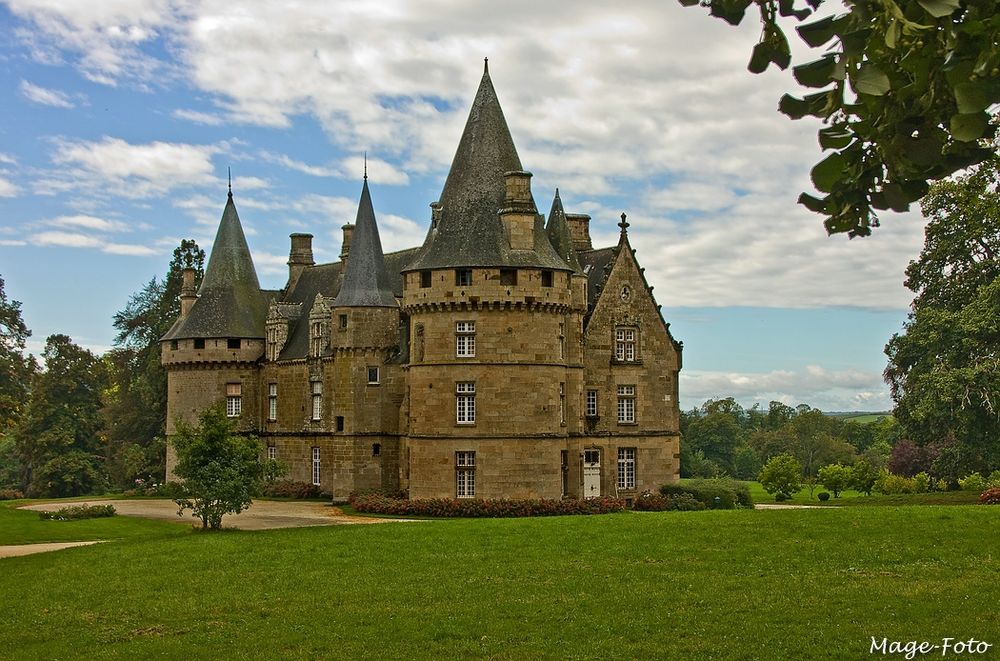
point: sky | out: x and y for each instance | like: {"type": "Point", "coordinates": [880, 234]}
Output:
{"type": "Point", "coordinates": [121, 117]}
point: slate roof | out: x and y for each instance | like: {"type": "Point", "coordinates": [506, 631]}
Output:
{"type": "Point", "coordinates": [365, 281]}
{"type": "Point", "coordinates": [595, 265]}
{"type": "Point", "coordinates": [327, 279]}
{"type": "Point", "coordinates": [230, 301]}
{"type": "Point", "coordinates": [469, 231]}
{"type": "Point", "coordinates": [559, 235]}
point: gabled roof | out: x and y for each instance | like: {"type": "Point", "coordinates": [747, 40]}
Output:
{"type": "Point", "coordinates": [230, 302]}
{"type": "Point", "coordinates": [596, 265]}
{"type": "Point", "coordinates": [366, 281]}
{"type": "Point", "coordinates": [559, 235]}
{"type": "Point", "coordinates": [469, 231]}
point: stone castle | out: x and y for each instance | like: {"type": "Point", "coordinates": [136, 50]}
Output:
{"type": "Point", "coordinates": [505, 357]}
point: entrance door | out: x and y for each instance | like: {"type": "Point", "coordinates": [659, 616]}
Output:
{"type": "Point", "coordinates": [591, 473]}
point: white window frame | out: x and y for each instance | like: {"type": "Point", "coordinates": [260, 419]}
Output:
{"type": "Point", "coordinates": [625, 344]}
{"type": "Point", "coordinates": [626, 404]}
{"type": "Point", "coordinates": [465, 403]}
{"type": "Point", "coordinates": [317, 466]}
{"type": "Point", "coordinates": [234, 400]}
{"type": "Point", "coordinates": [591, 403]}
{"type": "Point", "coordinates": [375, 381]}
{"type": "Point", "coordinates": [465, 474]}
{"type": "Point", "coordinates": [562, 403]}
{"type": "Point", "coordinates": [272, 452]}
{"type": "Point", "coordinates": [465, 339]}
{"type": "Point", "coordinates": [272, 401]}
{"type": "Point", "coordinates": [626, 468]}
{"type": "Point", "coordinates": [316, 388]}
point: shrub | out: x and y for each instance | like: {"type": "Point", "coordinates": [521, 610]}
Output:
{"type": "Point", "coordinates": [376, 503]}
{"type": "Point", "coordinates": [890, 484]}
{"type": "Point", "coordinates": [993, 480]}
{"type": "Point", "coordinates": [170, 490]}
{"type": "Point", "coordinates": [941, 485]}
{"type": "Point", "coordinates": [835, 477]}
{"type": "Point", "coordinates": [972, 482]}
{"type": "Point", "coordinates": [990, 497]}
{"type": "Point", "coordinates": [731, 493]}
{"type": "Point", "coordinates": [921, 482]}
{"type": "Point", "coordinates": [290, 489]}
{"type": "Point", "coordinates": [863, 476]}
{"type": "Point", "coordinates": [781, 497]}
{"type": "Point", "coordinates": [74, 512]}
{"type": "Point", "coordinates": [824, 496]}
{"type": "Point", "coordinates": [782, 475]}
{"type": "Point", "coordinates": [651, 502]}
{"type": "Point", "coordinates": [10, 494]}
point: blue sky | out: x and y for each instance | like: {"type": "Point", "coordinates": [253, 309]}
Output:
{"type": "Point", "coordinates": [120, 119]}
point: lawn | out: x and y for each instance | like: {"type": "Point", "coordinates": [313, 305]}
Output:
{"type": "Point", "coordinates": [24, 527]}
{"type": "Point", "coordinates": [677, 585]}
{"type": "Point", "coordinates": [850, 497]}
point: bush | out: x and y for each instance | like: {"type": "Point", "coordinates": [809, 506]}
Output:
{"type": "Point", "coordinates": [863, 476]}
{"type": "Point", "coordinates": [376, 503]}
{"type": "Point", "coordinates": [731, 493]}
{"type": "Point", "coordinates": [683, 502]}
{"type": "Point", "coordinates": [10, 494]}
{"type": "Point", "coordinates": [994, 479]}
{"type": "Point", "coordinates": [890, 484]}
{"type": "Point", "coordinates": [921, 482]}
{"type": "Point", "coordinates": [290, 489]}
{"type": "Point", "coordinates": [170, 490]}
{"type": "Point", "coordinates": [973, 482]}
{"type": "Point", "coordinates": [79, 512]}
{"type": "Point", "coordinates": [835, 477]}
{"type": "Point", "coordinates": [824, 496]}
{"type": "Point", "coordinates": [782, 475]}
{"type": "Point", "coordinates": [990, 497]}
{"type": "Point", "coordinates": [781, 497]}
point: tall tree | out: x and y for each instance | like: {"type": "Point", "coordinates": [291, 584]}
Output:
{"type": "Point", "coordinates": [944, 368]}
{"type": "Point", "coordinates": [136, 401]}
{"type": "Point", "coordinates": [58, 437]}
{"type": "Point", "coordinates": [904, 88]}
{"type": "Point", "coordinates": [16, 371]}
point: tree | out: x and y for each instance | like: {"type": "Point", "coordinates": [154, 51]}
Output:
{"type": "Point", "coordinates": [222, 470]}
{"type": "Point", "coordinates": [15, 369]}
{"type": "Point", "coordinates": [135, 410]}
{"type": "Point", "coordinates": [716, 434]}
{"type": "Point", "coordinates": [863, 476]}
{"type": "Point", "coordinates": [834, 477]}
{"type": "Point", "coordinates": [781, 476]}
{"type": "Point", "coordinates": [904, 89]}
{"type": "Point", "coordinates": [58, 438]}
{"type": "Point", "coordinates": [944, 370]}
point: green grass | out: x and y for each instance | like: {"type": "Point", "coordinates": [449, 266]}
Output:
{"type": "Point", "coordinates": [850, 497]}
{"type": "Point", "coordinates": [26, 527]}
{"type": "Point", "coordinates": [794, 584]}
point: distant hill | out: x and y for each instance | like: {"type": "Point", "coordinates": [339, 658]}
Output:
{"type": "Point", "coordinates": [859, 416]}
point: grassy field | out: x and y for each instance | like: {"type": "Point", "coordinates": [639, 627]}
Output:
{"type": "Point", "coordinates": [850, 497]}
{"type": "Point", "coordinates": [793, 584]}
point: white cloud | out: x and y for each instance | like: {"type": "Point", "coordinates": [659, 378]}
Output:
{"type": "Point", "coordinates": [88, 222]}
{"type": "Point", "coordinates": [379, 171]}
{"type": "Point", "coordinates": [8, 188]}
{"type": "Point", "coordinates": [829, 390]}
{"type": "Point", "coordinates": [45, 97]}
{"type": "Point", "coordinates": [78, 240]}
{"type": "Point", "coordinates": [12, 242]}
{"type": "Point", "coordinates": [7, 159]}
{"type": "Point", "coordinates": [199, 117]}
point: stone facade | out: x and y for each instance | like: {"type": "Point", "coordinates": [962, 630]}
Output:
{"type": "Point", "coordinates": [504, 358]}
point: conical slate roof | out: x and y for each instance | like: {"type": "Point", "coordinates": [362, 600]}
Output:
{"type": "Point", "coordinates": [230, 302]}
{"type": "Point", "coordinates": [366, 280]}
{"type": "Point", "coordinates": [559, 234]}
{"type": "Point", "coordinates": [469, 231]}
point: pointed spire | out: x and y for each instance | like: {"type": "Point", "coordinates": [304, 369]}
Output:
{"type": "Point", "coordinates": [366, 280]}
{"type": "Point", "coordinates": [230, 302]}
{"type": "Point", "coordinates": [230, 171]}
{"type": "Point", "coordinates": [366, 166]}
{"type": "Point", "coordinates": [559, 234]}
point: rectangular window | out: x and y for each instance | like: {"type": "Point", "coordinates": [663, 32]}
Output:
{"type": "Point", "coordinates": [340, 423]}
{"type": "Point", "coordinates": [562, 341]}
{"type": "Point", "coordinates": [199, 343]}
{"type": "Point", "coordinates": [233, 343]}
{"type": "Point", "coordinates": [272, 401]}
{"type": "Point", "coordinates": [234, 399]}
{"type": "Point", "coordinates": [173, 345]}
{"type": "Point", "coordinates": [373, 376]}
{"type": "Point", "coordinates": [508, 276]}
{"type": "Point", "coordinates": [625, 344]}
{"type": "Point", "coordinates": [626, 404]}
{"type": "Point", "coordinates": [315, 466]}
{"type": "Point", "coordinates": [463, 277]}
{"type": "Point", "coordinates": [465, 339]}
{"type": "Point", "coordinates": [546, 278]}
{"type": "Point", "coordinates": [425, 279]}
{"type": "Point", "coordinates": [465, 402]}
{"type": "Point", "coordinates": [272, 452]}
{"type": "Point", "coordinates": [343, 321]}
{"type": "Point", "coordinates": [591, 403]}
{"type": "Point", "coordinates": [317, 400]}
{"type": "Point", "coordinates": [626, 468]}
{"type": "Point", "coordinates": [562, 403]}
{"type": "Point", "coordinates": [465, 474]}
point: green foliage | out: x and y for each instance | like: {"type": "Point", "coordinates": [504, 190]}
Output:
{"type": "Point", "coordinates": [58, 438]}
{"type": "Point", "coordinates": [921, 482]}
{"type": "Point", "coordinates": [376, 503]}
{"type": "Point", "coordinates": [903, 88]}
{"type": "Point", "coordinates": [75, 512]}
{"type": "Point", "coordinates": [222, 470]}
{"type": "Point", "coordinates": [972, 482]}
{"type": "Point", "coordinates": [290, 489]}
{"type": "Point", "coordinates": [781, 476]}
{"type": "Point", "coordinates": [994, 479]}
{"type": "Point", "coordinates": [16, 372]}
{"type": "Point", "coordinates": [891, 484]}
{"type": "Point", "coordinates": [746, 463]}
{"type": "Point", "coordinates": [823, 495]}
{"type": "Point", "coordinates": [731, 493]}
{"type": "Point", "coordinates": [835, 477]}
{"type": "Point", "coordinates": [863, 477]}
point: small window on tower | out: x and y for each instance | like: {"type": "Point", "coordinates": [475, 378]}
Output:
{"type": "Point", "coordinates": [233, 343]}
{"type": "Point", "coordinates": [508, 276]}
{"type": "Point", "coordinates": [199, 343]}
{"type": "Point", "coordinates": [343, 321]}
{"type": "Point", "coordinates": [376, 449]}
{"type": "Point", "coordinates": [373, 376]}
{"type": "Point", "coordinates": [546, 278]}
{"type": "Point", "coordinates": [173, 345]}
{"type": "Point", "coordinates": [425, 279]}
{"type": "Point", "coordinates": [463, 277]}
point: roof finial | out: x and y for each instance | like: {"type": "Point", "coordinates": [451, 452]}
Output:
{"type": "Point", "coordinates": [230, 170]}
{"type": "Point", "coordinates": [623, 224]}
{"type": "Point", "coordinates": [366, 166]}
{"type": "Point", "coordinates": [486, 66]}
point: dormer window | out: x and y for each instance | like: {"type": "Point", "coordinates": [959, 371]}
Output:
{"type": "Point", "coordinates": [317, 338]}
{"type": "Point", "coordinates": [463, 277]}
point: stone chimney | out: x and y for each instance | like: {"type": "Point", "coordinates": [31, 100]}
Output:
{"type": "Point", "coordinates": [345, 246]}
{"type": "Point", "coordinates": [519, 212]}
{"type": "Point", "coordinates": [579, 230]}
{"type": "Point", "coordinates": [188, 292]}
{"type": "Point", "coordinates": [299, 257]}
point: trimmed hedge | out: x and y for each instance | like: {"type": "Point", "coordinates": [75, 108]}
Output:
{"type": "Point", "coordinates": [78, 512]}
{"type": "Point", "coordinates": [290, 489]}
{"type": "Point", "coordinates": [373, 503]}
{"type": "Point", "coordinates": [731, 493]}
{"type": "Point", "coordinates": [682, 502]}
